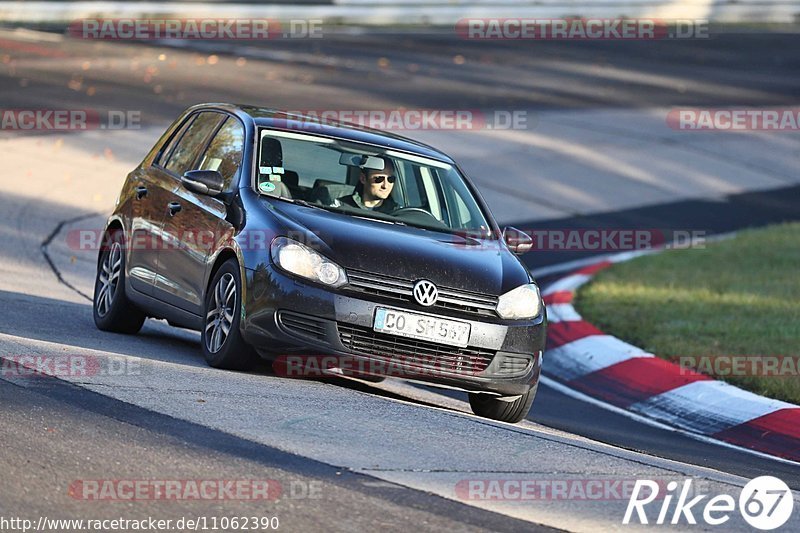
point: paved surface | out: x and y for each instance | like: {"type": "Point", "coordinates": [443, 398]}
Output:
{"type": "Point", "coordinates": [65, 434]}
{"type": "Point", "coordinates": [580, 164]}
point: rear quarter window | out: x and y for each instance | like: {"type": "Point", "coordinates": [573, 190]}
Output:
{"type": "Point", "coordinates": [167, 150]}
{"type": "Point", "coordinates": [192, 142]}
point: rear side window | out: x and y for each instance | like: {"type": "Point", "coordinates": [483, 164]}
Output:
{"type": "Point", "coordinates": [224, 154]}
{"type": "Point", "coordinates": [191, 142]}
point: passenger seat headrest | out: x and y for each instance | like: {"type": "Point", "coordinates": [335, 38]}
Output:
{"type": "Point", "coordinates": [271, 161]}
{"type": "Point", "coordinates": [291, 178]}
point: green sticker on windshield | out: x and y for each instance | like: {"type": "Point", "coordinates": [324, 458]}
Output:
{"type": "Point", "coordinates": [266, 186]}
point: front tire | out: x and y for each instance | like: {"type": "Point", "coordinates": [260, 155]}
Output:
{"type": "Point", "coordinates": [223, 346]}
{"type": "Point", "coordinates": [110, 306]}
{"type": "Point", "coordinates": [501, 409]}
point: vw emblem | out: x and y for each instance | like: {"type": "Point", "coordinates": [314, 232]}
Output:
{"type": "Point", "coordinates": [425, 292]}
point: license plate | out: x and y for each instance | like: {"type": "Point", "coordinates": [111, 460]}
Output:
{"type": "Point", "coordinates": [425, 327]}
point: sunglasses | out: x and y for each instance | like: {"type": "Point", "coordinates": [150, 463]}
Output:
{"type": "Point", "coordinates": [379, 179]}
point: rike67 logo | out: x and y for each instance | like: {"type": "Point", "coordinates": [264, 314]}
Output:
{"type": "Point", "coordinates": [765, 503]}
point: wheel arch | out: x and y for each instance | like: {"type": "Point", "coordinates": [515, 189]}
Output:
{"type": "Point", "coordinates": [113, 223]}
{"type": "Point", "coordinates": [222, 256]}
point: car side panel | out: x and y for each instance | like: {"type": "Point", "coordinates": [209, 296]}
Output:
{"type": "Point", "coordinates": [192, 235]}
{"type": "Point", "coordinates": [145, 195]}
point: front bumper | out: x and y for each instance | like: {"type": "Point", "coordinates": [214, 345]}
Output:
{"type": "Point", "coordinates": [285, 316]}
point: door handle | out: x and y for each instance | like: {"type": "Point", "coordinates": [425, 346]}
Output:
{"type": "Point", "coordinates": [174, 207]}
{"type": "Point", "coordinates": [141, 192]}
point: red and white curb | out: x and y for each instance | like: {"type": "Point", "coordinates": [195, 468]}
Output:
{"type": "Point", "coordinates": [587, 360]}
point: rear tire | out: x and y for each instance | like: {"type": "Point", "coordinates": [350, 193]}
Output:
{"type": "Point", "coordinates": [222, 343]}
{"type": "Point", "coordinates": [499, 409]}
{"type": "Point", "coordinates": [110, 306]}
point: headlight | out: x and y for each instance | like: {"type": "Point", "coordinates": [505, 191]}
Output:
{"type": "Point", "coordinates": [302, 261]}
{"type": "Point", "coordinates": [522, 302]}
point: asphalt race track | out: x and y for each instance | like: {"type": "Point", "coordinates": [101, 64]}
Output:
{"type": "Point", "coordinates": [351, 455]}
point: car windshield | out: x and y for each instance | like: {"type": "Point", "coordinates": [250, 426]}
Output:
{"type": "Point", "coordinates": [366, 181]}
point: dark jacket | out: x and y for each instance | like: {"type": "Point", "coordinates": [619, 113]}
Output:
{"type": "Point", "coordinates": [354, 200]}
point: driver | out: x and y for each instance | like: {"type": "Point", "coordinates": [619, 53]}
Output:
{"type": "Point", "coordinates": [374, 189]}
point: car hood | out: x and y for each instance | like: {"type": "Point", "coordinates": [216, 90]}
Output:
{"type": "Point", "coordinates": [478, 265]}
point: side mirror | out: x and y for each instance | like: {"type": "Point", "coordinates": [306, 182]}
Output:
{"type": "Point", "coordinates": [209, 182]}
{"type": "Point", "coordinates": [517, 241]}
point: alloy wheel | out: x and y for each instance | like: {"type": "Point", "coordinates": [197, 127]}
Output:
{"type": "Point", "coordinates": [220, 319]}
{"type": "Point", "coordinates": [109, 279]}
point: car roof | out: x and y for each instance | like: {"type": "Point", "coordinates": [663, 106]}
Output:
{"type": "Point", "coordinates": [299, 123]}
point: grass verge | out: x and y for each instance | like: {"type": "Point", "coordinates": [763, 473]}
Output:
{"type": "Point", "coordinates": [731, 310]}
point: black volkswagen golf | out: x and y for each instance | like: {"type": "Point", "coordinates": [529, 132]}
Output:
{"type": "Point", "coordinates": [275, 236]}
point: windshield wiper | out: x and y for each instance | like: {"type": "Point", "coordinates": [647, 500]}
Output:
{"type": "Point", "coordinates": [387, 220]}
{"type": "Point", "coordinates": [299, 201]}
{"type": "Point", "coordinates": [352, 212]}
{"type": "Point", "coordinates": [304, 203]}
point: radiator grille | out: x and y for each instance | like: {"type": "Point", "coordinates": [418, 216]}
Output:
{"type": "Point", "coordinates": [401, 289]}
{"type": "Point", "coordinates": [414, 353]}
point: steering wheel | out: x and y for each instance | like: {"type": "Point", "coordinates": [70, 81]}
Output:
{"type": "Point", "coordinates": [416, 213]}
